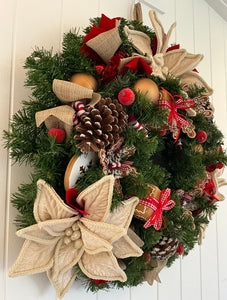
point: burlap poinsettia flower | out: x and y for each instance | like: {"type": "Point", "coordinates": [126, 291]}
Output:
{"type": "Point", "coordinates": [63, 238]}
{"type": "Point", "coordinates": [174, 61]}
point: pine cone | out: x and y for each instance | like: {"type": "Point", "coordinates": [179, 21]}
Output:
{"type": "Point", "coordinates": [165, 248]}
{"type": "Point", "coordinates": [100, 125]}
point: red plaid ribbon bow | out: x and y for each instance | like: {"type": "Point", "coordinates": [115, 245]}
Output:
{"type": "Point", "coordinates": [158, 205]}
{"type": "Point", "coordinates": [174, 116]}
{"type": "Point", "coordinates": [208, 187]}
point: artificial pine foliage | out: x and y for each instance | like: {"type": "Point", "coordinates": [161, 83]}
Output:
{"type": "Point", "coordinates": [160, 159]}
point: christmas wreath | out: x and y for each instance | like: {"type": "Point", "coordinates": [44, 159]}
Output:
{"type": "Point", "coordinates": [126, 157]}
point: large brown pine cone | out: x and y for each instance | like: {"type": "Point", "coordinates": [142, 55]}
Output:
{"type": "Point", "coordinates": [165, 248]}
{"type": "Point", "coordinates": [101, 125]}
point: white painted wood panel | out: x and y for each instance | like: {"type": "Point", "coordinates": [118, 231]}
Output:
{"type": "Point", "coordinates": [209, 253]}
{"type": "Point", "coordinates": [7, 17]}
{"type": "Point", "coordinates": [200, 44]}
{"type": "Point", "coordinates": [29, 23]}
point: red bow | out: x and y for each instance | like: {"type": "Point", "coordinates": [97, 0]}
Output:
{"type": "Point", "coordinates": [174, 116]}
{"type": "Point", "coordinates": [208, 187]}
{"type": "Point", "coordinates": [158, 205]}
{"type": "Point", "coordinates": [138, 65]}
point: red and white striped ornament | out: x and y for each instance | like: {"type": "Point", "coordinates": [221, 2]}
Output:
{"type": "Point", "coordinates": [135, 124]}
{"type": "Point", "coordinates": [78, 106]}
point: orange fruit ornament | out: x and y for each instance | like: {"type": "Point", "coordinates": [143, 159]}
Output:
{"type": "Point", "coordinates": [148, 88]}
{"type": "Point", "coordinates": [85, 80]}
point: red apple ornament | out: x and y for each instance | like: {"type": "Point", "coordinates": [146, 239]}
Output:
{"type": "Point", "coordinates": [201, 136]}
{"type": "Point", "coordinates": [126, 96]}
{"type": "Point", "coordinates": [58, 133]}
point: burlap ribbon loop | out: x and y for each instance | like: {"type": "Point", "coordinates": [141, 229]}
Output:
{"type": "Point", "coordinates": [69, 92]}
{"type": "Point", "coordinates": [137, 13]}
{"type": "Point", "coordinates": [57, 117]}
{"type": "Point", "coordinates": [106, 44]}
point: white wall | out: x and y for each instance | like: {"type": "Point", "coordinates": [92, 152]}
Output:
{"type": "Point", "coordinates": [25, 24]}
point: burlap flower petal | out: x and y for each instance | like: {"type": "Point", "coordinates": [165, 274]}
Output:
{"type": "Point", "coordinates": [36, 234]}
{"type": "Point", "coordinates": [173, 58]}
{"type": "Point", "coordinates": [92, 243]}
{"type": "Point", "coordinates": [102, 266]}
{"type": "Point", "coordinates": [123, 214]}
{"type": "Point", "coordinates": [125, 247]}
{"type": "Point", "coordinates": [97, 198]}
{"type": "Point", "coordinates": [188, 63]}
{"type": "Point", "coordinates": [63, 282]}
{"type": "Point", "coordinates": [159, 30]}
{"type": "Point", "coordinates": [152, 275]}
{"type": "Point", "coordinates": [57, 227]}
{"type": "Point", "coordinates": [105, 231]}
{"type": "Point", "coordinates": [65, 257]}
{"type": "Point", "coordinates": [140, 40]}
{"type": "Point", "coordinates": [33, 258]}
{"type": "Point", "coordinates": [47, 232]}
{"type": "Point", "coordinates": [48, 205]}
{"type": "Point", "coordinates": [194, 78]}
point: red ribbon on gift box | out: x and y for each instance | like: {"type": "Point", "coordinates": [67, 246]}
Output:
{"type": "Point", "coordinates": [158, 205]}
{"type": "Point", "coordinates": [174, 117]}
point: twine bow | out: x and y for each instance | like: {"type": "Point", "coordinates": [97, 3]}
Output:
{"type": "Point", "coordinates": [208, 187]}
{"type": "Point", "coordinates": [175, 118]}
{"type": "Point", "coordinates": [158, 205]}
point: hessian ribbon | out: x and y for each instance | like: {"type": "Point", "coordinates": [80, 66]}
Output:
{"type": "Point", "coordinates": [175, 118]}
{"type": "Point", "coordinates": [158, 205]}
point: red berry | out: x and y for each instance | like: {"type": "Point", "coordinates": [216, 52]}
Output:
{"type": "Point", "coordinates": [201, 136]}
{"type": "Point", "coordinates": [219, 165]}
{"type": "Point", "coordinates": [126, 96]}
{"type": "Point", "coordinates": [131, 118]}
{"type": "Point", "coordinates": [58, 133]}
{"type": "Point", "coordinates": [180, 249]}
{"type": "Point", "coordinates": [147, 256]}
